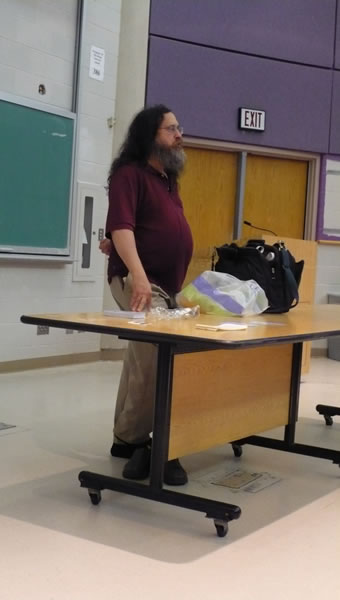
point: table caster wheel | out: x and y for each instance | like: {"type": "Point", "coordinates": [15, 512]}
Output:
{"type": "Point", "coordinates": [237, 449]}
{"type": "Point", "coordinates": [328, 420]}
{"type": "Point", "coordinates": [221, 527]}
{"type": "Point", "coordinates": [95, 496]}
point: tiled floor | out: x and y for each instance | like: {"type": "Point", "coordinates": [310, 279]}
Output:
{"type": "Point", "coordinates": [56, 546]}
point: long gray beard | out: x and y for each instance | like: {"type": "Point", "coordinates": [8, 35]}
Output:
{"type": "Point", "coordinates": [172, 159]}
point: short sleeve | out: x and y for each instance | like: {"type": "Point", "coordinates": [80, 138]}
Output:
{"type": "Point", "coordinates": [123, 199]}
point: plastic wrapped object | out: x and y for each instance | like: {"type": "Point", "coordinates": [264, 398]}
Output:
{"type": "Point", "coordinates": [222, 294]}
{"type": "Point", "coordinates": [162, 314]}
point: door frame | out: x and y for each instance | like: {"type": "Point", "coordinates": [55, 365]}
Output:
{"type": "Point", "coordinates": [314, 161]}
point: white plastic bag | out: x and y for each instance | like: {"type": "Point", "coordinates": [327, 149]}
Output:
{"type": "Point", "coordinates": [223, 294]}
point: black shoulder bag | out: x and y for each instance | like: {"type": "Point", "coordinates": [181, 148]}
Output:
{"type": "Point", "coordinates": [273, 267]}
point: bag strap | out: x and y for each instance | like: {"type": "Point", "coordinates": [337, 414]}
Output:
{"type": "Point", "coordinates": [213, 259]}
{"type": "Point", "coordinates": [289, 276]}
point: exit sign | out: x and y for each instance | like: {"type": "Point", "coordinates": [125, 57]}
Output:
{"type": "Point", "coordinates": [250, 118]}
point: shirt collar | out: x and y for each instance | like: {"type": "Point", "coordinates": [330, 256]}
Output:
{"type": "Point", "coordinates": [162, 176]}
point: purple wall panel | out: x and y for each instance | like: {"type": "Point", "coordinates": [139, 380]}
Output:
{"type": "Point", "coordinates": [337, 46]}
{"type": "Point", "coordinates": [294, 30]}
{"type": "Point", "coordinates": [206, 87]}
{"type": "Point", "coordinates": [334, 144]}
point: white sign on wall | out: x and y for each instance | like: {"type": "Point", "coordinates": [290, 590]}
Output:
{"type": "Point", "coordinates": [97, 61]}
{"type": "Point", "coordinates": [251, 118]}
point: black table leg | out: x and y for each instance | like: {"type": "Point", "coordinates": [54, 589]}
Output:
{"type": "Point", "coordinates": [161, 422]}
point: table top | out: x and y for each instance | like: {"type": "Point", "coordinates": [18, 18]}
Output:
{"type": "Point", "coordinates": [305, 322]}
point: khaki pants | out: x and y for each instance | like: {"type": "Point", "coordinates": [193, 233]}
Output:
{"type": "Point", "coordinates": [135, 398]}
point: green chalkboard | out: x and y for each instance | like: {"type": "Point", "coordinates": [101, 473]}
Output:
{"type": "Point", "coordinates": [35, 179]}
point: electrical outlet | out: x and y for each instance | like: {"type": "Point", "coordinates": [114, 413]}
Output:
{"type": "Point", "coordinates": [69, 331]}
{"type": "Point", "coordinates": [43, 330]}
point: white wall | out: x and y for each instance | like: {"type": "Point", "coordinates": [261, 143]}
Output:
{"type": "Point", "coordinates": [37, 45]}
{"type": "Point", "coordinates": [327, 278]}
{"type": "Point", "coordinates": [328, 272]}
{"type": "Point", "coordinates": [37, 40]}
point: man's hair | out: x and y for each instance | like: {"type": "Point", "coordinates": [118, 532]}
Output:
{"type": "Point", "coordinates": [137, 146]}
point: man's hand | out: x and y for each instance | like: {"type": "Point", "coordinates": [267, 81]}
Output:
{"type": "Point", "coordinates": [125, 244]}
{"type": "Point", "coordinates": [105, 246]}
{"type": "Point", "coordinates": [141, 293]}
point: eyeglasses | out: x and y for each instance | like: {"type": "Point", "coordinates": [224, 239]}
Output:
{"type": "Point", "coordinates": [173, 129]}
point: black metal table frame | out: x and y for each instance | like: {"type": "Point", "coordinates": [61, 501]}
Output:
{"type": "Point", "coordinates": [328, 412]}
{"type": "Point", "coordinates": [168, 346]}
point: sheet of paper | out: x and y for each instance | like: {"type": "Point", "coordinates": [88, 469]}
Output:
{"type": "Point", "coordinates": [125, 314]}
{"type": "Point", "coordinates": [97, 62]}
{"type": "Point", "coordinates": [223, 326]}
{"type": "Point", "coordinates": [264, 481]}
{"type": "Point", "coordinates": [236, 480]}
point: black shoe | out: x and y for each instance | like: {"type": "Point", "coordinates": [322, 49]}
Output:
{"type": "Point", "coordinates": [174, 473]}
{"type": "Point", "coordinates": [138, 467]}
{"type": "Point", "coordinates": [125, 450]}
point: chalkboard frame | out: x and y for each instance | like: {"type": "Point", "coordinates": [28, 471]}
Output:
{"type": "Point", "coordinates": [61, 251]}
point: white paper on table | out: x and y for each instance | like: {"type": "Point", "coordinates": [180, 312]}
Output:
{"type": "Point", "coordinates": [223, 326]}
{"type": "Point", "coordinates": [125, 314]}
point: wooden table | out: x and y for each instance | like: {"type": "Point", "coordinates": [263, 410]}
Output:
{"type": "Point", "coordinates": [214, 387]}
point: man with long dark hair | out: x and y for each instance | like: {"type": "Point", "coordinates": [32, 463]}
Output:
{"type": "Point", "coordinates": [149, 255]}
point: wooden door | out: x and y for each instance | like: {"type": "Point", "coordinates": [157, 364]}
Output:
{"type": "Point", "coordinates": [275, 196]}
{"type": "Point", "coordinates": [208, 191]}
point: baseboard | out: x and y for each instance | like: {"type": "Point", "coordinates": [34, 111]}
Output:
{"type": "Point", "coordinates": [83, 357]}
{"type": "Point", "coordinates": [112, 354]}
{"type": "Point", "coordinates": [318, 352]}
{"type": "Point", "coordinates": [60, 360]}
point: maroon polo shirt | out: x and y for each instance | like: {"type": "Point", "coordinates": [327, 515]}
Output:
{"type": "Point", "coordinates": [146, 202]}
